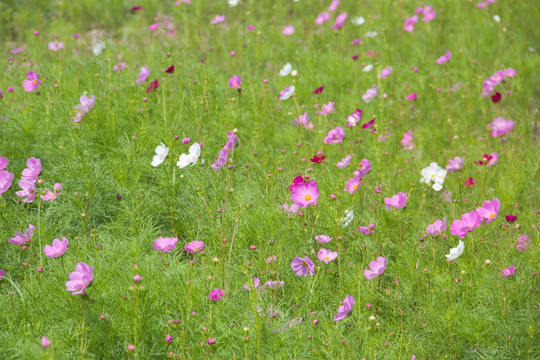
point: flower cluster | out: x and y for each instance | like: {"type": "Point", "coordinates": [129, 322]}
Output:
{"type": "Point", "coordinates": [433, 175]}
{"type": "Point", "coordinates": [471, 220]}
{"type": "Point", "coordinates": [489, 84]}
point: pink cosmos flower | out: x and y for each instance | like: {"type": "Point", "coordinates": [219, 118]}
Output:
{"type": "Point", "coordinates": [333, 6]}
{"type": "Point", "coordinates": [80, 279]}
{"type": "Point", "coordinates": [303, 266]}
{"type": "Point", "coordinates": [377, 268]}
{"type": "Point", "coordinates": [32, 82]}
{"type": "Point", "coordinates": [365, 230]}
{"type": "Point", "coordinates": [28, 189]}
{"type": "Point", "coordinates": [215, 295]}
{"type": "Point", "coordinates": [45, 343]}
{"type": "Point", "coordinates": [412, 96]}
{"type": "Point", "coordinates": [165, 244]}
{"type": "Point", "coordinates": [17, 50]}
{"type": "Point", "coordinates": [509, 72]}
{"type": "Point", "coordinates": [34, 169]}
{"type": "Point", "coordinates": [288, 30]}
{"type": "Point", "coordinates": [223, 155]}
{"type": "Point", "coordinates": [354, 118]}
{"type": "Point", "coordinates": [327, 108]}
{"type": "Point", "coordinates": [398, 201]}
{"type": "Point", "coordinates": [322, 18]}
{"type": "Point", "coordinates": [50, 195]}
{"type": "Point", "coordinates": [323, 239]}
{"type": "Point", "coordinates": [304, 121]}
{"type": "Point", "coordinates": [326, 255]}
{"type": "Point", "coordinates": [352, 185]}
{"type": "Point", "coordinates": [217, 19]}
{"type": "Point", "coordinates": [154, 27]}
{"type": "Point", "coordinates": [469, 222]}
{"type": "Point", "coordinates": [429, 13]}
{"type": "Point", "coordinates": [523, 242]}
{"type": "Point", "coordinates": [335, 136]}
{"type": "Point", "coordinates": [490, 210]}
{"type": "Point", "coordinates": [455, 164]}
{"type": "Point", "coordinates": [143, 75]}
{"type": "Point", "coordinates": [509, 271]}
{"type": "Point", "coordinates": [286, 93]}
{"type": "Point", "coordinates": [194, 247]}
{"type": "Point", "coordinates": [57, 249]}
{"type": "Point", "coordinates": [290, 210]}
{"type": "Point", "coordinates": [22, 239]}
{"type": "Point", "coordinates": [119, 66]}
{"type": "Point", "coordinates": [385, 72]}
{"type": "Point", "coordinates": [437, 227]}
{"type": "Point", "coordinates": [445, 58]}
{"type": "Point", "coordinates": [55, 45]}
{"type": "Point", "coordinates": [370, 94]}
{"type": "Point", "coordinates": [363, 168]}
{"type": "Point", "coordinates": [340, 20]}
{"type": "Point", "coordinates": [356, 41]}
{"type": "Point", "coordinates": [345, 309]}
{"type": "Point", "coordinates": [410, 22]}
{"type": "Point", "coordinates": [342, 164]}
{"type": "Point", "coordinates": [501, 126]}
{"type": "Point", "coordinates": [6, 179]}
{"type": "Point", "coordinates": [306, 194]}
{"type": "Point", "coordinates": [406, 142]}
{"type": "Point", "coordinates": [235, 82]}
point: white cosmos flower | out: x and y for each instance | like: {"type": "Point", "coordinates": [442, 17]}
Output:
{"type": "Point", "coordinates": [433, 174]}
{"type": "Point", "coordinates": [98, 48]}
{"type": "Point", "coordinates": [368, 68]}
{"type": "Point", "coordinates": [233, 3]}
{"type": "Point", "coordinates": [287, 69]}
{"type": "Point", "coordinates": [349, 216]}
{"type": "Point", "coordinates": [371, 34]}
{"type": "Point", "coordinates": [497, 18]}
{"type": "Point", "coordinates": [161, 153]}
{"type": "Point", "coordinates": [455, 252]}
{"type": "Point", "coordinates": [358, 21]}
{"type": "Point", "coordinates": [191, 158]}
{"type": "Point", "coordinates": [286, 93]}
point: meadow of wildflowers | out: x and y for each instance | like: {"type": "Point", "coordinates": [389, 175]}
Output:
{"type": "Point", "coordinates": [260, 179]}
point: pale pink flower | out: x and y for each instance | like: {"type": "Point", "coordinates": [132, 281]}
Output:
{"type": "Point", "coordinates": [437, 227]}
{"type": "Point", "coordinates": [385, 72]}
{"type": "Point", "coordinates": [51, 195]}
{"type": "Point", "coordinates": [326, 255]}
{"type": "Point", "coordinates": [323, 239]}
{"type": "Point", "coordinates": [345, 309]}
{"type": "Point", "coordinates": [80, 279]}
{"type": "Point", "coordinates": [28, 189]}
{"type": "Point", "coordinates": [335, 136]}
{"type": "Point", "coordinates": [363, 168]}
{"type": "Point", "coordinates": [32, 82]}
{"type": "Point", "coordinates": [55, 45]}
{"type": "Point", "coordinates": [455, 164]}
{"type": "Point", "coordinates": [410, 22]}
{"type": "Point", "coordinates": [377, 268]}
{"type": "Point", "coordinates": [322, 18]}
{"type": "Point", "coordinates": [429, 13]}
{"type": "Point", "coordinates": [6, 179]}
{"type": "Point", "coordinates": [344, 162]}
{"type": "Point", "coordinates": [288, 30]}
{"type": "Point", "coordinates": [340, 20]}
{"type": "Point", "coordinates": [327, 108]}
{"type": "Point", "coordinates": [406, 142]}
{"type": "Point", "coordinates": [57, 249]}
{"type": "Point", "coordinates": [370, 94]}
{"type": "Point", "coordinates": [143, 75]}
{"type": "Point", "coordinates": [398, 201]}
{"type": "Point", "coordinates": [445, 58]}
{"type": "Point", "coordinates": [501, 126]}
{"type": "Point", "coordinates": [165, 244]}
{"type": "Point", "coordinates": [333, 6]}
{"type": "Point", "coordinates": [218, 19]}
{"type": "Point", "coordinates": [490, 210]}
{"type": "Point", "coordinates": [508, 272]}
{"type": "Point", "coordinates": [194, 247]}
{"type": "Point", "coordinates": [22, 239]}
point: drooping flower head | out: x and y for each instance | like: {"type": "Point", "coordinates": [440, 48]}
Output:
{"type": "Point", "coordinates": [80, 279]}
{"type": "Point", "coordinates": [194, 247]}
{"type": "Point", "coordinates": [377, 268]}
{"type": "Point", "coordinates": [345, 309]}
{"type": "Point", "coordinates": [165, 244]}
{"type": "Point", "coordinates": [303, 266]}
{"type": "Point", "coordinates": [21, 239]}
{"type": "Point", "coordinates": [305, 194]}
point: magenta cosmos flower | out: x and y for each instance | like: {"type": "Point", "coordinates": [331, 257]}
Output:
{"type": "Point", "coordinates": [407, 141]}
{"type": "Point", "coordinates": [501, 126]}
{"type": "Point", "coordinates": [21, 239]}
{"type": "Point", "coordinates": [445, 58]}
{"type": "Point", "coordinates": [322, 18]}
{"type": "Point", "coordinates": [363, 168]}
{"type": "Point", "coordinates": [326, 255]}
{"type": "Point", "coordinates": [143, 75]}
{"type": "Point", "coordinates": [352, 185]}
{"type": "Point", "coordinates": [490, 210]}
{"type": "Point", "coordinates": [215, 295]}
{"type": "Point", "coordinates": [303, 266]}
{"type": "Point", "coordinates": [6, 179]}
{"type": "Point", "coordinates": [469, 221]}
{"type": "Point", "coordinates": [455, 164]}
{"type": "Point", "coordinates": [345, 309]}
{"type": "Point", "coordinates": [235, 82]}
{"type": "Point", "coordinates": [33, 170]}
{"type": "Point", "coordinates": [340, 20]}
{"type": "Point", "coordinates": [57, 249]}
{"type": "Point", "coordinates": [2, 274]}
{"type": "Point", "coordinates": [306, 194]}
{"type": "Point", "coordinates": [413, 96]}
{"type": "Point", "coordinates": [509, 271]}
{"type": "Point", "coordinates": [80, 279]}
{"type": "Point", "coordinates": [335, 136]}
{"type": "Point", "coordinates": [398, 201]}
{"type": "Point", "coordinates": [194, 247]}
{"type": "Point", "coordinates": [377, 268]}
{"type": "Point", "coordinates": [410, 22]}
{"type": "Point", "coordinates": [165, 244]}
{"type": "Point", "coordinates": [3, 163]}
{"type": "Point", "coordinates": [50, 195]}
{"type": "Point", "coordinates": [45, 343]}
{"type": "Point", "coordinates": [437, 227]}
{"type": "Point", "coordinates": [385, 72]}
{"type": "Point", "coordinates": [32, 82]}
{"type": "Point", "coordinates": [328, 108]}
{"type": "Point", "coordinates": [523, 242]}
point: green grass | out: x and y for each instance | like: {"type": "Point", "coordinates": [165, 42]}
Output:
{"type": "Point", "coordinates": [419, 307]}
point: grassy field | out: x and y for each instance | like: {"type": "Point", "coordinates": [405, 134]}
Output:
{"type": "Point", "coordinates": [217, 82]}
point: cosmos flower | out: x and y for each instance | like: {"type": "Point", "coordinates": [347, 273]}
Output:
{"type": "Point", "coordinates": [340, 20]}
{"type": "Point", "coordinates": [352, 185]}
{"type": "Point", "coordinates": [326, 255]}
{"type": "Point", "coordinates": [215, 295]}
{"type": "Point", "coordinates": [377, 268]}
{"type": "Point", "coordinates": [161, 153]}
{"type": "Point", "coordinates": [303, 266]}
{"type": "Point", "coordinates": [469, 222]}
{"type": "Point", "coordinates": [194, 247]}
{"type": "Point", "coordinates": [437, 227]}
{"type": "Point", "coordinates": [501, 126]}
{"type": "Point", "coordinates": [55, 45]}
{"type": "Point", "coordinates": [22, 239]}
{"type": "Point", "coordinates": [455, 164]}
{"type": "Point", "coordinates": [80, 279]}
{"type": "Point", "coordinates": [28, 190]}
{"type": "Point", "coordinates": [235, 82]}
{"type": "Point", "coordinates": [32, 82]}
{"type": "Point", "coordinates": [217, 19]}
{"type": "Point", "coordinates": [344, 162]}
{"type": "Point", "coordinates": [398, 201]}
{"type": "Point", "coordinates": [406, 142]}
{"type": "Point", "coordinates": [456, 252]}
{"type": "Point", "coordinates": [191, 158]}
{"type": "Point", "coordinates": [410, 22]}
{"type": "Point", "coordinates": [385, 72]}
{"type": "Point", "coordinates": [335, 136]}
{"type": "Point", "coordinates": [490, 210]}
{"type": "Point", "coordinates": [327, 108]}
{"type": "Point", "coordinates": [445, 58]}
{"type": "Point", "coordinates": [305, 194]}
{"type": "Point", "coordinates": [57, 249]}
{"type": "Point", "coordinates": [345, 309]}
{"type": "Point", "coordinates": [6, 179]}
{"type": "Point", "coordinates": [370, 94]}
{"type": "Point", "coordinates": [322, 18]}
{"type": "Point", "coordinates": [288, 30]}
{"type": "Point", "coordinates": [523, 242]}
{"type": "Point", "coordinates": [323, 239]}
{"type": "Point", "coordinates": [508, 272]}
{"type": "Point", "coordinates": [51, 195]}
{"type": "Point", "coordinates": [286, 93]}
{"type": "Point", "coordinates": [165, 244]}
{"type": "Point", "coordinates": [354, 118]}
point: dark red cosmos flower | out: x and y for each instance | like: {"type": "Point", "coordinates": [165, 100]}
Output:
{"type": "Point", "coordinates": [496, 98]}
{"type": "Point", "coordinates": [470, 182]}
{"type": "Point", "coordinates": [368, 124]}
{"type": "Point", "coordinates": [153, 86]}
{"type": "Point", "coordinates": [485, 160]}
{"type": "Point", "coordinates": [511, 218]}
{"type": "Point", "coordinates": [318, 90]}
{"type": "Point", "coordinates": [170, 70]}
{"type": "Point", "coordinates": [355, 57]}
{"type": "Point", "coordinates": [317, 159]}
{"type": "Point", "coordinates": [136, 8]}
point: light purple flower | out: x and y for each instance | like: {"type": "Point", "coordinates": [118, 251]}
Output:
{"type": "Point", "coordinates": [165, 244]}
{"type": "Point", "coordinates": [45, 343]}
{"type": "Point", "coordinates": [370, 94]}
{"type": "Point", "coordinates": [28, 190]}
{"type": "Point", "coordinates": [363, 168]}
{"type": "Point", "coordinates": [342, 164]}
{"type": "Point", "coordinates": [501, 126]}
{"type": "Point", "coordinates": [377, 268]}
{"type": "Point", "coordinates": [345, 309]}
{"type": "Point", "coordinates": [335, 136]}
{"type": "Point", "coordinates": [235, 82]}
{"type": "Point", "coordinates": [340, 20]}
{"type": "Point", "coordinates": [445, 58]}
{"type": "Point", "coordinates": [437, 227]}
{"type": "Point", "coordinates": [398, 201]}
{"type": "Point", "coordinates": [304, 121]}
{"type": "Point", "coordinates": [120, 66]}
{"type": "Point", "coordinates": [523, 242]}
{"type": "Point", "coordinates": [406, 142]}
{"type": "Point", "coordinates": [333, 6]}
{"type": "Point", "coordinates": [323, 239]}
{"type": "Point", "coordinates": [22, 239]}
{"type": "Point", "coordinates": [327, 108]}
{"type": "Point", "coordinates": [365, 230]}
{"type": "Point", "coordinates": [143, 75]}
{"type": "Point", "coordinates": [57, 249]}
{"type": "Point", "coordinates": [303, 266]}
{"type": "Point", "coordinates": [410, 22]}
{"type": "Point", "coordinates": [490, 210]}
{"type": "Point", "coordinates": [385, 72]}
{"type": "Point", "coordinates": [32, 82]}
{"type": "Point", "coordinates": [6, 179]}
{"type": "Point", "coordinates": [288, 30]}
{"type": "Point", "coordinates": [34, 169]}
{"type": "Point", "coordinates": [509, 271]}
{"type": "Point", "coordinates": [455, 164]}
{"type": "Point", "coordinates": [322, 18]}
{"type": "Point", "coordinates": [51, 195]}
{"type": "Point", "coordinates": [3, 163]}
{"type": "Point", "coordinates": [326, 255]}
{"type": "Point", "coordinates": [55, 45]}
{"type": "Point", "coordinates": [469, 222]}
{"type": "Point", "coordinates": [194, 247]}
{"type": "Point", "coordinates": [354, 118]}
{"type": "Point", "coordinates": [217, 19]}
{"type": "Point", "coordinates": [80, 279]}
{"type": "Point", "coordinates": [352, 185]}
{"type": "Point", "coordinates": [215, 295]}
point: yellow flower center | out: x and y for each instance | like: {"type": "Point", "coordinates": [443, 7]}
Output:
{"type": "Point", "coordinates": [308, 197]}
{"type": "Point", "coordinates": [34, 82]}
{"type": "Point", "coordinates": [326, 258]}
{"type": "Point", "coordinates": [433, 175]}
{"type": "Point", "coordinates": [194, 249]}
{"type": "Point", "coordinates": [355, 187]}
{"type": "Point", "coordinates": [491, 215]}
{"type": "Point", "coordinates": [304, 264]}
